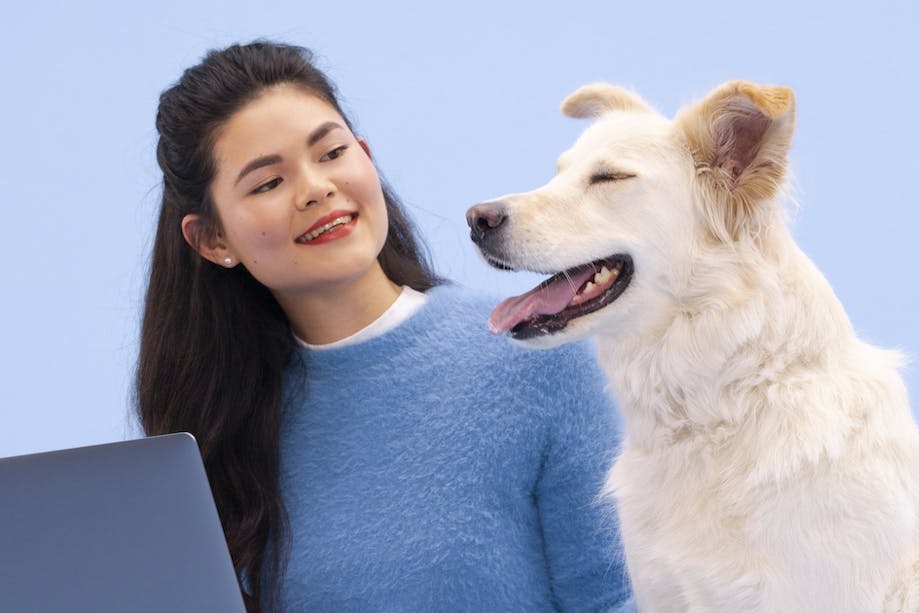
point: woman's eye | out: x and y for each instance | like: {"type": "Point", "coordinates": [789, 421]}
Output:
{"type": "Point", "coordinates": [267, 186]}
{"type": "Point", "coordinates": [335, 153]}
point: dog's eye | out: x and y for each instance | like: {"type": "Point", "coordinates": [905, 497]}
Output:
{"type": "Point", "coordinates": [603, 176]}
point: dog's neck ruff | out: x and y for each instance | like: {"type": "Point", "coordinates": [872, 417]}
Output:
{"type": "Point", "coordinates": [730, 353]}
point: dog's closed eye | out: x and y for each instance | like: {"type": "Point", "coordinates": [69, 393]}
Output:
{"type": "Point", "coordinates": [605, 175]}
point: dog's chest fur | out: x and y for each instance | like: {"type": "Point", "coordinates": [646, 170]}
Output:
{"type": "Point", "coordinates": [790, 443]}
{"type": "Point", "coordinates": [703, 535]}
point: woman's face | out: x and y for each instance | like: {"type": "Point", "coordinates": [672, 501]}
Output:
{"type": "Point", "coordinates": [298, 199]}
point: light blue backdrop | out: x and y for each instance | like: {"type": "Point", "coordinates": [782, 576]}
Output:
{"type": "Point", "coordinates": [459, 103]}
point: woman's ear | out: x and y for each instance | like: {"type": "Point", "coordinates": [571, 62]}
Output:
{"type": "Point", "coordinates": [365, 147]}
{"type": "Point", "coordinates": [207, 241]}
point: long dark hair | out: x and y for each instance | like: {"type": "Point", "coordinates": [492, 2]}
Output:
{"type": "Point", "coordinates": [214, 341]}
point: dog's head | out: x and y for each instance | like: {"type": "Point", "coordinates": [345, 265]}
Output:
{"type": "Point", "coordinates": [633, 201]}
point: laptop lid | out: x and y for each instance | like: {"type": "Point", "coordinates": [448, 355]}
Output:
{"type": "Point", "coordinates": [117, 528]}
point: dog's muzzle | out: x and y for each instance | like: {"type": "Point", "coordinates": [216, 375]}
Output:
{"type": "Point", "coordinates": [486, 222]}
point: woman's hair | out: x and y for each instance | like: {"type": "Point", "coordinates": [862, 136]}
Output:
{"type": "Point", "coordinates": [214, 342]}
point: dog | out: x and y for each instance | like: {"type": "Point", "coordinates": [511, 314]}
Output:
{"type": "Point", "coordinates": [770, 460]}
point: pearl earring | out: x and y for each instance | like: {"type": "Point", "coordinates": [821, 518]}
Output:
{"type": "Point", "coordinates": [227, 261]}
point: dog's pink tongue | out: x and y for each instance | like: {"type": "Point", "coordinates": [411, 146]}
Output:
{"type": "Point", "coordinates": [544, 299]}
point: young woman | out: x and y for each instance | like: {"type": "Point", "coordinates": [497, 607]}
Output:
{"type": "Point", "coordinates": [369, 445]}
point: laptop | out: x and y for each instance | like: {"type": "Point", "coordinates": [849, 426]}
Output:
{"type": "Point", "coordinates": [127, 527]}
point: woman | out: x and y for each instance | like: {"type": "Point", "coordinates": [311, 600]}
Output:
{"type": "Point", "coordinates": [369, 446]}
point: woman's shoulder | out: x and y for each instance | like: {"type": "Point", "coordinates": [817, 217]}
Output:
{"type": "Point", "coordinates": [563, 386]}
{"type": "Point", "coordinates": [464, 312]}
{"type": "Point", "coordinates": [461, 300]}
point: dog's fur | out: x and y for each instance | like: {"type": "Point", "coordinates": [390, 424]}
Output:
{"type": "Point", "coordinates": [771, 462]}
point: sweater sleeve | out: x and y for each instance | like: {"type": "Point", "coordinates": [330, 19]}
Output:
{"type": "Point", "coordinates": [581, 534]}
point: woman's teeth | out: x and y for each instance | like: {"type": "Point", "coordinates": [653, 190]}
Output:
{"type": "Point", "coordinates": [314, 234]}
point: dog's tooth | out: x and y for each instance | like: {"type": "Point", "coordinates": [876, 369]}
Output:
{"type": "Point", "coordinates": [589, 287]}
{"type": "Point", "coordinates": [602, 276]}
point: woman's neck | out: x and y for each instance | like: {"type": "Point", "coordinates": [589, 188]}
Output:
{"type": "Point", "coordinates": [336, 311]}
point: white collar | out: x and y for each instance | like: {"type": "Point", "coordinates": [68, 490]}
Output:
{"type": "Point", "coordinates": [406, 305]}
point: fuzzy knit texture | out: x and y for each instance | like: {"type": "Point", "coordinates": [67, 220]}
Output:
{"type": "Point", "coordinates": [440, 468]}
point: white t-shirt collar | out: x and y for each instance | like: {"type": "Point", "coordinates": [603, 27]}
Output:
{"type": "Point", "coordinates": [406, 305]}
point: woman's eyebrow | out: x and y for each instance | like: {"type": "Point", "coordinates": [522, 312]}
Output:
{"type": "Point", "coordinates": [320, 132]}
{"type": "Point", "coordinates": [259, 162]}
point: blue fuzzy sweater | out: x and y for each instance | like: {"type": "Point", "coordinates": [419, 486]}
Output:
{"type": "Point", "coordinates": [439, 468]}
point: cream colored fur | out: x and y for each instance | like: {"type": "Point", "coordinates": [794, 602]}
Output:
{"type": "Point", "coordinates": [771, 462]}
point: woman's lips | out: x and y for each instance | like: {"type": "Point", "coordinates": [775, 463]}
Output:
{"type": "Point", "coordinates": [328, 228]}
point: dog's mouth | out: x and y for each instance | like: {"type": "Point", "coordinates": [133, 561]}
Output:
{"type": "Point", "coordinates": [547, 308]}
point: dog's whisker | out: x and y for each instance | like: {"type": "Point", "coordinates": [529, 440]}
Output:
{"type": "Point", "coordinates": [569, 280]}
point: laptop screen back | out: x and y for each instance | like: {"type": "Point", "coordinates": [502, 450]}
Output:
{"type": "Point", "coordinates": [123, 527]}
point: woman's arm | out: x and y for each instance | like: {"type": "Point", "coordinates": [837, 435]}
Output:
{"type": "Point", "coordinates": [583, 549]}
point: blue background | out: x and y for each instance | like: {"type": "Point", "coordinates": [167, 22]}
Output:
{"type": "Point", "coordinates": [459, 103]}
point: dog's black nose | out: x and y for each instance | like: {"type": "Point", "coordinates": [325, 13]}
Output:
{"type": "Point", "coordinates": [482, 218]}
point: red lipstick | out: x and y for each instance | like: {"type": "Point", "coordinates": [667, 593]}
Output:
{"type": "Point", "coordinates": [329, 227]}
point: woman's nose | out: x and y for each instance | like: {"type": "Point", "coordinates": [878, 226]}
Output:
{"type": "Point", "coordinates": [315, 189]}
{"type": "Point", "coordinates": [314, 200]}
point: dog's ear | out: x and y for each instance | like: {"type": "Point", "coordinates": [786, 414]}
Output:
{"type": "Point", "coordinates": [739, 136]}
{"type": "Point", "coordinates": [599, 98]}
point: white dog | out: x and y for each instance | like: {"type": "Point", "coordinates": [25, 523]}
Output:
{"type": "Point", "coordinates": [771, 462]}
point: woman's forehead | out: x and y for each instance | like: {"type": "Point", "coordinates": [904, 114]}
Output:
{"type": "Point", "coordinates": [280, 115]}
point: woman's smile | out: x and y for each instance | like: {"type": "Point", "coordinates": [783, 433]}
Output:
{"type": "Point", "coordinates": [328, 228]}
